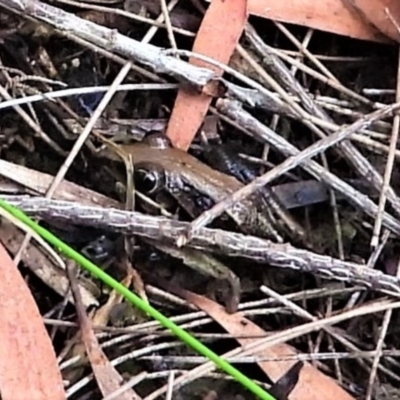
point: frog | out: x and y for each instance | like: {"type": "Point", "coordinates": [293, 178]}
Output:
{"type": "Point", "coordinates": [159, 167]}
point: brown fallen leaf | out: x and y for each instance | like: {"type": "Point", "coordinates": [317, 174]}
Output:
{"type": "Point", "coordinates": [28, 365]}
{"type": "Point", "coordinates": [220, 30]}
{"type": "Point", "coordinates": [285, 384]}
{"type": "Point", "coordinates": [224, 22]}
{"type": "Point", "coordinates": [382, 14]}
{"type": "Point", "coordinates": [328, 15]}
{"type": "Point", "coordinates": [38, 261]}
{"type": "Point", "coordinates": [107, 377]}
{"type": "Point", "coordinates": [40, 182]}
{"type": "Point", "coordinates": [312, 382]}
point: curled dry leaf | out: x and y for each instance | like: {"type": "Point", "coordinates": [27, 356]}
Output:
{"type": "Point", "coordinates": [44, 267]}
{"type": "Point", "coordinates": [28, 365]}
{"type": "Point", "coordinates": [312, 382]}
{"type": "Point", "coordinates": [328, 15]}
{"type": "Point", "coordinates": [224, 22]}
{"type": "Point", "coordinates": [39, 182]}
{"type": "Point", "coordinates": [382, 14]}
{"type": "Point", "coordinates": [107, 377]}
{"type": "Point", "coordinates": [217, 37]}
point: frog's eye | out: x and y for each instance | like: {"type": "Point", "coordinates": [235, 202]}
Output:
{"type": "Point", "coordinates": [149, 182]}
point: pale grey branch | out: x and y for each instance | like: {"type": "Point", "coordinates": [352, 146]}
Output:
{"type": "Point", "coordinates": [214, 240]}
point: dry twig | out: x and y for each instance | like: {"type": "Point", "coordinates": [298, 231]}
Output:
{"type": "Point", "coordinates": [214, 240]}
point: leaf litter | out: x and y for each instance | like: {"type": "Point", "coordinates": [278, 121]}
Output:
{"type": "Point", "coordinates": [275, 90]}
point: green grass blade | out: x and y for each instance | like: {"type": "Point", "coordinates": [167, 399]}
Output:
{"type": "Point", "coordinates": [138, 302]}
